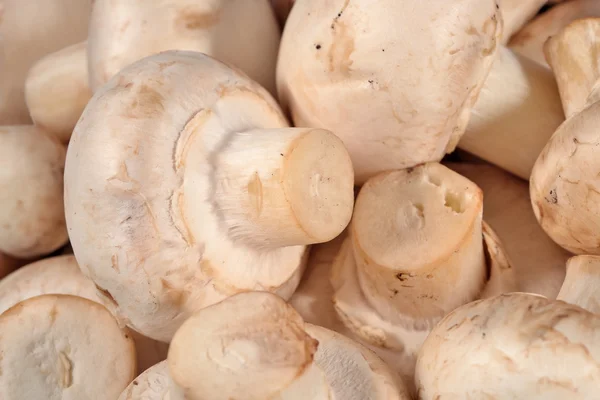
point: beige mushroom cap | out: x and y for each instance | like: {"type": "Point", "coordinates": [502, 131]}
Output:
{"type": "Point", "coordinates": [201, 190]}
{"type": "Point", "coordinates": [152, 384]}
{"type": "Point", "coordinates": [564, 187]}
{"type": "Point", "coordinates": [243, 33]}
{"type": "Point", "coordinates": [30, 29]}
{"type": "Point", "coordinates": [32, 219]}
{"type": "Point", "coordinates": [61, 275]}
{"type": "Point", "coordinates": [63, 347]}
{"type": "Point", "coordinates": [512, 346]}
{"type": "Point", "coordinates": [517, 13]}
{"type": "Point", "coordinates": [353, 68]}
{"type": "Point", "coordinates": [255, 346]}
{"type": "Point", "coordinates": [57, 90]}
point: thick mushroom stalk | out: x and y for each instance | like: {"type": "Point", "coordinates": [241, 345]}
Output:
{"type": "Point", "coordinates": [517, 13]}
{"type": "Point", "coordinates": [512, 346]}
{"type": "Point", "coordinates": [32, 219]}
{"type": "Point", "coordinates": [255, 346]}
{"type": "Point", "coordinates": [395, 277]}
{"type": "Point", "coordinates": [530, 40]}
{"type": "Point", "coordinates": [564, 182]}
{"type": "Point", "coordinates": [63, 347]}
{"type": "Point", "coordinates": [242, 33]}
{"type": "Point", "coordinates": [581, 283]}
{"type": "Point", "coordinates": [28, 31]}
{"type": "Point", "coordinates": [61, 275]}
{"type": "Point", "coordinates": [57, 91]}
{"type": "Point", "coordinates": [152, 384]}
{"type": "Point", "coordinates": [517, 111]}
{"type": "Point", "coordinates": [539, 263]}
{"type": "Point", "coordinates": [354, 68]}
{"type": "Point", "coordinates": [201, 190]}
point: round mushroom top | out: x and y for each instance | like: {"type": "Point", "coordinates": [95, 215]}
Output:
{"type": "Point", "coordinates": [140, 190]}
{"type": "Point", "coordinates": [152, 384]}
{"type": "Point", "coordinates": [61, 347]}
{"type": "Point", "coordinates": [243, 33]}
{"type": "Point", "coordinates": [32, 219]}
{"type": "Point", "coordinates": [514, 345]}
{"type": "Point", "coordinates": [251, 346]}
{"type": "Point", "coordinates": [418, 215]}
{"type": "Point", "coordinates": [564, 183]}
{"type": "Point", "coordinates": [395, 81]}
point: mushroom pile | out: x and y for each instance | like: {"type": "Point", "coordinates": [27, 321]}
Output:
{"type": "Point", "coordinates": [299, 199]}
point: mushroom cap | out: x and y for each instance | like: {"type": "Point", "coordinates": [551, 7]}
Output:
{"type": "Point", "coordinates": [141, 212]}
{"type": "Point", "coordinates": [251, 346]}
{"type": "Point", "coordinates": [61, 275]}
{"type": "Point", "coordinates": [152, 384]}
{"type": "Point", "coordinates": [243, 33]}
{"type": "Point", "coordinates": [516, 13]}
{"type": "Point", "coordinates": [57, 90]}
{"type": "Point", "coordinates": [30, 29]}
{"type": "Point", "coordinates": [32, 219]}
{"type": "Point", "coordinates": [564, 187]}
{"type": "Point", "coordinates": [514, 345]}
{"type": "Point", "coordinates": [354, 69]}
{"type": "Point", "coordinates": [61, 347]}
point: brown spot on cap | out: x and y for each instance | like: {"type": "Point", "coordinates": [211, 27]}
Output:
{"type": "Point", "coordinates": [192, 19]}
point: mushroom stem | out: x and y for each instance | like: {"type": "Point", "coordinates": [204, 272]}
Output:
{"type": "Point", "coordinates": [284, 187]}
{"type": "Point", "coordinates": [417, 241]}
{"type": "Point", "coordinates": [573, 55]}
{"type": "Point", "coordinates": [57, 91]}
{"type": "Point", "coordinates": [581, 283]}
{"type": "Point", "coordinates": [516, 13]}
{"type": "Point", "coordinates": [517, 111]}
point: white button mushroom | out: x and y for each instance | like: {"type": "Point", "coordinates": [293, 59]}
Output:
{"type": "Point", "coordinates": [61, 275]}
{"type": "Point", "coordinates": [32, 219]}
{"type": "Point", "coordinates": [57, 90]}
{"type": "Point", "coordinates": [539, 262]}
{"type": "Point", "coordinates": [200, 190]}
{"type": "Point", "coordinates": [513, 346]}
{"type": "Point", "coordinates": [581, 283]}
{"type": "Point", "coordinates": [254, 346]}
{"type": "Point", "coordinates": [564, 183]}
{"type": "Point", "coordinates": [530, 40]}
{"type": "Point", "coordinates": [152, 384]}
{"type": "Point", "coordinates": [30, 29]}
{"type": "Point", "coordinates": [63, 347]}
{"type": "Point", "coordinates": [396, 100]}
{"type": "Point", "coordinates": [243, 33]}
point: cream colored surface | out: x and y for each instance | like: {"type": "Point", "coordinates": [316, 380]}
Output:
{"type": "Point", "coordinates": [539, 263]}
{"type": "Point", "coordinates": [512, 346]}
{"type": "Point", "coordinates": [61, 275]}
{"type": "Point", "coordinates": [517, 13]}
{"type": "Point", "coordinates": [243, 33]}
{"type": "Point", "coordinates": [152, 384]}
{"type": "Point", "coordinates": [60, 347]}
{"type": "Point", "coordinates": [395, 100]}
{"type": "Point", "coordinates": [530, 40]}
{"type": "Point", "coordinates": [167, 245]}
{"type": "Point", "coordinates": [581, 283]}
{"type": "Point", "coordinates": [32, 219]}
{"type": "Point", "coordinates": [57, 90]}
{"type": "Point", "coordinates": [30, 29]}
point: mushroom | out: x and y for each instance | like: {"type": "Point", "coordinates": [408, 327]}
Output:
{"type": "Point", "coordinates": [243, 33]}
{"type": "Point", "coordinates": [57, 90]}
{"type": "Point", "coordinates": [517, 111]}
{"type": "Point", "coordinates": [580, 285]}
{"type": "Point", "coordinates": [152, 384]}
{"type": "Point", "coordinates": [517, 13]}
{"type": "Point", "coordinates": [63, 347]}
{"type": "Point", "coordinates": [512, 346]}
{"type": "Point", "coordinates": [539, 263]}
{"type": "Point", "coordinates": [564, 182]}
{"type": "Point", "coordinates": [28, 31]}
{"type": "Point", "coordinates": [255, 346]}
{"type": "Point", "coordinates": [530, 40]}
{"type": "Point", "coordinates": [353, 68]}
{"type": "Point", "coordinates": [61, 275]}
{"type": "Point", "coordinates": [201, 190]}
{"type": "Point", "coordinates": [417, 250]}
{"type": "Point", "coordinates": [32, 219]}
